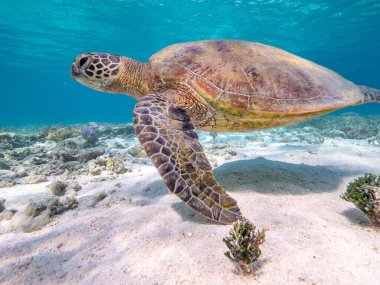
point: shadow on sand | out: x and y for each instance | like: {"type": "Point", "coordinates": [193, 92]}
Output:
{"type": "Point", "coordinates": [269, 177]}
{"type": "Point", "coordinates": [277, 177]}
{"type": "Point", "coordinates": [356, 217]}
{"type": "Point", "coordinates": [260, 175]}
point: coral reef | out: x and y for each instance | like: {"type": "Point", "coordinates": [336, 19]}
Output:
{"type": "Point", "coordinates": [11, 140]}
{"type": "Point", "coordinates": [244, 244]}
{"type": "Point", "coordinates": [364, 192]}
{"type": "Point", "coordinates": [348, 125]}
{"type": "Point", "coordinates": [29, 156]}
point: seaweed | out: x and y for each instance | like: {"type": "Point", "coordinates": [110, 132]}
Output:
{"type": "Point", "coordinates": [244, 244]}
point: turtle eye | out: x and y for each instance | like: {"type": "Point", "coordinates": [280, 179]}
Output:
{"type": "Point", "coordinates": [83, 61]}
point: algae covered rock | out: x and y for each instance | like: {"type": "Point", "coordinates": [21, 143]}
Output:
{"type": "Point", "coordinates": [4, 165]}
{"type": "Point", "coordinates": [34, 179]}
{"type": "Point", "coordinates": [69, 144]}
{"type": "Point", "coordinates": [37, 214]}
{"type": "Point", "coordinates": [6, 180]}
{"type": "Point", "coordinates": [37, 160]}
{"type": "Point", "coordinates": [8, 140]}
{"type": "Point", "coordinates": [95, 170]}
{"type": "Point", "coordinates": [59, 186]}
{"type": "Point", "coordinates": [116, 131]}
{"type": "Point", "coordinates": [83, 156]}
{"type": "Point", "coordinates": [59, 134]}
{"type": "Point", "coordinates": [137, 151]}
{"type": "Point", "coordinates": [7, 214]}
{"type": "Point", "coordinates": [364, 192]}
{"type": "Point", "coordinates": [116, 165]}
{"type": "Point", "coordinates": [11, 140]}
{"type": "Point", "coordinates": [69, 202]}
{"type": "Point", "coordinates": [17, 154]}
{"type": "Point", "coordinates": [108, 163]}
{"type": "Point", "coordinates": [73, 186]}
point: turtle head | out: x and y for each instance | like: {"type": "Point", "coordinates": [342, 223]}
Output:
{"type": "Point", "coordinates": [109, 73]}
{"type": "Point", "coordinates": [96, 70]}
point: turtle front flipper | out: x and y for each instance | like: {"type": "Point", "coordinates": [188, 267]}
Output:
{"type": "Point", "coordinates": [168, 138]}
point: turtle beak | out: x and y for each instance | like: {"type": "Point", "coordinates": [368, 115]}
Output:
{"type": "Point", "coordinates": [74, 71]}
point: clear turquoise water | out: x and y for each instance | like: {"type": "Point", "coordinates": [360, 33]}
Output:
{"type": "Point", "coordinates": [39, 40]}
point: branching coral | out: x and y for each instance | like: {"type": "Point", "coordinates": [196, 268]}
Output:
{"type": "Point", "coordinates": [243, 244]}
{"type": "Point", "coordinates": [364, 192]}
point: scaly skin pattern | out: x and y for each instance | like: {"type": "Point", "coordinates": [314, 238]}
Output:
{"type": "Point", "coordinates": [112, 74]}
{"type": "Point", "coordinates": [168, 138]}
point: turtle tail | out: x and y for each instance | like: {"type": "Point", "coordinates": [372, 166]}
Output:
{"type": "Point", "coordinates": [370, 94]}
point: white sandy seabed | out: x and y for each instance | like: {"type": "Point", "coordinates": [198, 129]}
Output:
{"type": "Point", "coordinates": [140, 234]}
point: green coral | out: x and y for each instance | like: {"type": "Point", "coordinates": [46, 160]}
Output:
{"type": "Point", "coordinates": [364, 192]}
{"type": "Point", "coordinates": [244, 243]}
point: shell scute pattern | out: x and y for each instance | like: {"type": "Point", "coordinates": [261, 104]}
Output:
{"type": "Point", "coordinates": [254, 77]}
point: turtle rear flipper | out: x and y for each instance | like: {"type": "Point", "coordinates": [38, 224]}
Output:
{"type": "Point", "coordinates": [370, 94]}
{"type": "Point", "coordinates": [168, 138]}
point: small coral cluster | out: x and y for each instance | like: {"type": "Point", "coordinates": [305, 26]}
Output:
{"type": "Point", "coordinates": [243, 244]}
{"type": "Point", "coordinates": [38, 213]}
{"type": "Point", "coordinates": [60, 187]}
{"type": "Point", "coordinates": [364, 192]}
{"type": "Point", "coordinates": [108, 163]}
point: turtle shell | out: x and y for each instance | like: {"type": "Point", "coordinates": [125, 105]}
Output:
{"type": "Point", "coordinates": [245, 77]}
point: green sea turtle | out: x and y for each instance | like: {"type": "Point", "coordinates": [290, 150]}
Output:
{"type": "Point", "coordinates": [219, 86]}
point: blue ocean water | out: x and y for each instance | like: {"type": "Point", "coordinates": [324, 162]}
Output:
{"type": "Point", "coordinates": [39, 40]}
